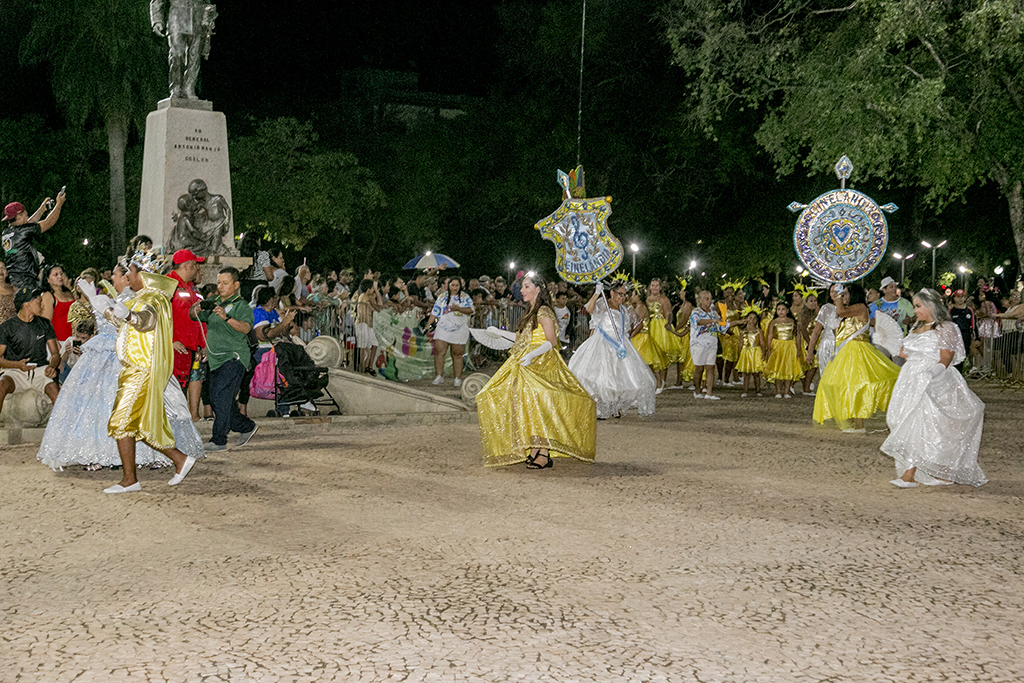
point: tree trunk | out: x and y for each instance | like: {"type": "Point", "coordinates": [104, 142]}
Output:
{"type": "Point", "coordinates": [1015, 198]}
{"type": "Point", "coordinates": [117, 133]}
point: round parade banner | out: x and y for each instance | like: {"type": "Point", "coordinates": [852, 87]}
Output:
{"type": "Point", "coordinates": [841, 236]}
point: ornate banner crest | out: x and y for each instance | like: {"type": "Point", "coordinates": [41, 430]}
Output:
{"type": "Point", "coordinates": [841, 236]}
{"type": "Point", "coordinates": [586, 250]}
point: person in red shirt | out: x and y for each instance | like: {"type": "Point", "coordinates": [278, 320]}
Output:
{"type": "Point", "coordinates": [189, 335]}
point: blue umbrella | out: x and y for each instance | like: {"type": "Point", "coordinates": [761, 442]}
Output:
{"type": "Point", "coordinates": [431, 260]}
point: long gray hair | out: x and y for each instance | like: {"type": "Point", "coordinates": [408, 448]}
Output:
{"type": "Point", "coordinates": [932, 300]}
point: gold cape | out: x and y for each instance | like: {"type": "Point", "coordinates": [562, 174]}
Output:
{"type": "Point", "coordinates": [147, 361]}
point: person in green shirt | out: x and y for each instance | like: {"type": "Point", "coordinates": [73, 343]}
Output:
{"type": "Point", "coordinates": [228, 322]}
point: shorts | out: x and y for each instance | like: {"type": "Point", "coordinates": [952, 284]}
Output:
{"type": "Point", "coordinates": [26, 381]}
{"type": "Point", "coordinates": [365, 338]}
{"type": "Point", "coordinates": [200, 369]}
{"type": "Point", "coordinates": [703, 355]}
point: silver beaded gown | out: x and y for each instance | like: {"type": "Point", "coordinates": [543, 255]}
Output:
{"type": "Point", "coordinates": [935, 423]}
{"type": "Point", "coordinates": [609, 367]}
{"type": "Point", "coordinates": [76, 433]}
{"type": "Point", "coordinates": [826, 351]}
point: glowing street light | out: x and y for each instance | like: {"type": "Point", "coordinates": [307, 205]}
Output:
{"type": "Point", "coordinates": [903, 266]}
{"type": "Point", "coordinates": [634, 248]}
{"type": "Point", "coordinates": [937, 246]}
{"type": "Point", "coordinates": [998, 270]}
{"type": "Point", "coordinates": [963, 277]}
{"type": "Point", "coordinates": [693, 264]}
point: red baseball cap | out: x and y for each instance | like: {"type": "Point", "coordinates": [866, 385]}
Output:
{"type": "Point", "coordinates": [959, 292]}
{"type": "Point", "coordinates": [12, 210]}
{"type": "Point", "coordinates": [184, 256]}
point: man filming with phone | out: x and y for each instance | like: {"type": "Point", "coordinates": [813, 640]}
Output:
{"type": "Point", "coordinates": [19, 236]}
{"type": "Point", "coordinates": [24, 342]}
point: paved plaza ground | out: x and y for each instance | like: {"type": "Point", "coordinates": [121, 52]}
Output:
{"type": "Point", "coordinates": [729, 541]}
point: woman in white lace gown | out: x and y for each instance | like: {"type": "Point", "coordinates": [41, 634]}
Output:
{"type": "Point", "coordinates": [935, 420]}
{"type": "Point", "coordinates": [607, 364]}
{"type": "Point", "coordinates": [76, 433]}
{"type": "Point", "coordinates": [823, 339]}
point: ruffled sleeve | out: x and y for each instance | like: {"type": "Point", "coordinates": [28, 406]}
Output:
{"type": "Point", "coordinates": [950, 339]}
{"type": "Point", "coordinates": [546, 312]}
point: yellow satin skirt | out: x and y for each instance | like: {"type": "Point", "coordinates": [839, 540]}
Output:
{"type": "Point", "coordinates": [541, 405]}
{"type": "Point", "coordinates": [686, 362]}
{"type": "Point", "coordinates": [751, 360]}
{"type": "Point", "coordinates": [135, 414]}
{"type": "Point", "coordinates": [649, 351]}
{"type": "Point", "coordinates": [857, 384]}
{"type": "Point", "coordinates": [670, 345]}
{"type": "Point", "coordinates": [783, 361]}
{"type": "Point", "coordinates": [731, 344]}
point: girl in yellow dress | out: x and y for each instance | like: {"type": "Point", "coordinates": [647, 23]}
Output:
{"type": "Point", "coordinates": [751, 362]}
{"type": "Point", "coordinates": [858, 382]}
{"type": "Point", "coordinates": [684, 368]}
{"type": "Point", "coordinates": [644, 343]}
{"type": "Point", "coordinates": [534, 409]}
{"type": "Point", "coordinates": [783, 366]}
{"type": "Point", "coordinates": [662, 331]}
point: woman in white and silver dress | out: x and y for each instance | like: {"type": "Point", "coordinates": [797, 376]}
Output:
{"type": "Point", "coordinates": [77, 431]}
{"type": "Point", "coordinates": [823, 339]}
{"type": "Point", "coordinates": [935, 420]}
{"type": "Point", "coordinates": [607, 364]}
{"type": "Point", "coordinates": [451, 311]}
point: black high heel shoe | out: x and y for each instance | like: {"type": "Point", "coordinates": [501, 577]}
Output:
{"type": "Point", "coordinates": [531, 462]}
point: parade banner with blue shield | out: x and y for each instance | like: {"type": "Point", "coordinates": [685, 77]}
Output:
{"type": "Point", "coordinates": [586, 251]}
{"type": "Point", "coordinates": [842, 235]}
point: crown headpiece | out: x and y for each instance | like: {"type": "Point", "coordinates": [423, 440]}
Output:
{"type": "Point", "coordinates": [148, 262]}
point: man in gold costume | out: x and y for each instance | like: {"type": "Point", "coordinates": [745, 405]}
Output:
{"type": "Point", "coordinates": [144, 346]}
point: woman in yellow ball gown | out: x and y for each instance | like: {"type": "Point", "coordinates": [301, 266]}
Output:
{"type": "Point", "coordinates": [534, 409]}
{"type": "Point", "coordinates": [662, 330]}
{"type": "Point", "coordinates": [783, 366]}
{"type": "Point", "coordinates": [858, 382]}
{"type": "Point", "coordinates": [684, 367]}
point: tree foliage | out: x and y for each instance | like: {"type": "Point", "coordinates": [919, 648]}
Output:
{"type": "Point", "coordinates": [916, 92]}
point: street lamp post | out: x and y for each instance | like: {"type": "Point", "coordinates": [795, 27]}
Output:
{"type": "Point", "coordinates": [634, 248]}
{"type": "Point", "coordinates": [903, 266]}
{"type": "Point", "coordinates": [929, 246]}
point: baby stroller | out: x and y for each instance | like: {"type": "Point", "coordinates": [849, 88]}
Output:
{"type": "Point", "coordinates": [300, 382]}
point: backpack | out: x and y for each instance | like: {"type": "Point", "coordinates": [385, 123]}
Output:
{"type": "Point", "coordinates": [265, 377]}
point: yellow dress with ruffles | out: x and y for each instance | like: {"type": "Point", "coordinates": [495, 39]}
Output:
{"type": "Point", "coordinates": [669, 344]}
{"type": "Point", "coordinates": [751, 355]}
{"type": "Point", "coordinates": [858, 382]}
{"type": "Point", "coordinates": [541, 405]}
{"type": "Point", "coordinates": [683, 327]}
{"type": "Point", "coordinates": [146, 365]}
{"type": "Point", "coordinates": [731, 342]}
{"type": "Point", "coordinates": [649, 351]}
{"type": "Point", "coordinates": [783, 362]}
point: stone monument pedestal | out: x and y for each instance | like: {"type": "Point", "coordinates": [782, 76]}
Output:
{"type": "Point", "coordinates": [211, 268]}
{"type": "Point", "coordinates": [185, 140]}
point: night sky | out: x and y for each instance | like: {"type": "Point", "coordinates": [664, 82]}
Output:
{"type": "Point", "coordinates": [283, 57]}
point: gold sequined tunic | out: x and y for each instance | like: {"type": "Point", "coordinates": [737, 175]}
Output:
{"type": "Point", "coordinates": [541, 405]}
{"type": "Point", "coordinates": [145, 351]}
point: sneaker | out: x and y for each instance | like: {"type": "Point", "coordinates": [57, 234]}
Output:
{"type": "Point", "coordinates": [760, 394]}
{"type": "Point", "coordinates": [788, 396]}
{"type": "Point", "coordinates": [903, 484]}
{"type": "Point", "coordinates": [696, 395]}
{"type": "Point", "coordinates": [438, 380]}
{"type": "Point", "coordinates": [245, 436]}
{"type": "Point", "coordinates": [743, 395]}
{"type": "Point", "coordinates": [457, 382]}
{"type": "Point", "coordinates": [210, 447]}
{"type": "Point", "coordinates": [778, 395]}
{"type": "Point", "coordinates": [709, 397]}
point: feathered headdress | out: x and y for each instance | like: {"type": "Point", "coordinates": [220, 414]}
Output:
{"type": "Point", "coordinates": [747, 310]}
{"type": "Point", "coordinates": [682, 284]}
{"type": "Point", "coordinates": [732, 284]}
{"type": "Point", "coordinates": [621, 278]}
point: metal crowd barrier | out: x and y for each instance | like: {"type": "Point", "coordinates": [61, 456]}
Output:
{"type": "Point", "coordinates": [999, 360]}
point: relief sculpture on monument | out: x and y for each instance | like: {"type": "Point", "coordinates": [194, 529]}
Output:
{"type": "Point", "coordinates": [202, 222]}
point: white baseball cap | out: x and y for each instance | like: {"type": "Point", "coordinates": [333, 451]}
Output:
{"type": "Point", "coordinates": [886, 281]}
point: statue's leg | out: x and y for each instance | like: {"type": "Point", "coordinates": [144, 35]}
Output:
{"type": "Point", "coordinates": [192, 67]}
{"type": "Point", "coordinates": [176, 61]}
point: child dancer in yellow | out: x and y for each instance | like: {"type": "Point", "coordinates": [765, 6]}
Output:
{"type": "Point", "coordinates": [751, 362]}
{"type": "Point", "coordinates": [783, 366]}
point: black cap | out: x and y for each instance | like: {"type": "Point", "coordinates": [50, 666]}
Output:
{"type": "Point", "coordinates": [24, 295]}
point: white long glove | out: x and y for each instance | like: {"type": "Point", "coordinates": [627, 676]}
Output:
{"type": "Point", "coordinates": [120, 310]}
{"type": "Point", "coordinates": [936, 370]}
{"type": "Point", "coordinates": [539, 351]}
{"type": "Point", "coordinates": [599, 287]}
{"type": "Point", "coordinates": [98, 301]}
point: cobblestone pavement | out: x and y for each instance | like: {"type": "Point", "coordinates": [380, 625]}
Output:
{"type": "Point", "coordinates": [732, 541]}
